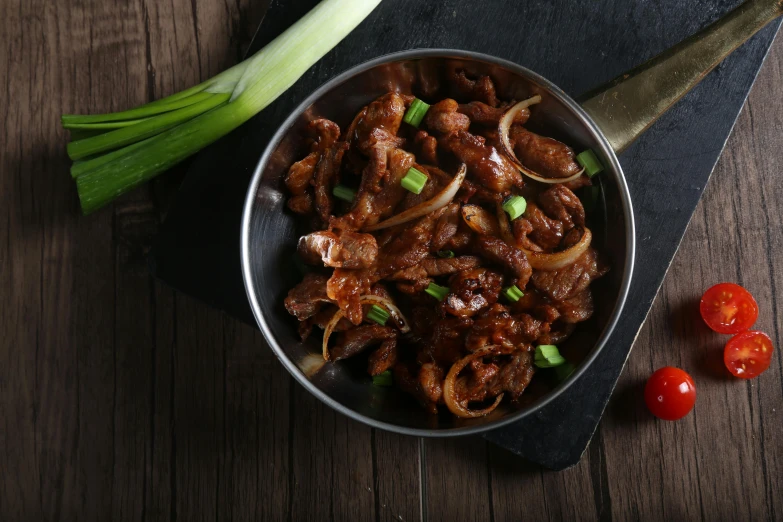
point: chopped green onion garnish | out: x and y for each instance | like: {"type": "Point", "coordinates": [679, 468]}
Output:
{"type": "Point", "coordinates": [378, 314]}
{"type": "Point", "coordinates": [344, 193]}
{"type": "Point", "coordinates": [415, 113]}
{"type": "Point", "coordinates": [414, 180]}
{"type": "Point", "coordinates": [590, 162]}
{"type": "Point", "coordinates": [515, 206]}
{"type": "Point", "coordinates": [445, 254]}
{"type": "Point", "coordinates": [548, 356]}
{"type": "Point", "coordinates": [564, 371]}
{"type": "Point", "coordinates": [382, 379]}
{"type": "Point", "coordinates": [513, 293]}
{"type": "Point", "coordinates": [437, 291]}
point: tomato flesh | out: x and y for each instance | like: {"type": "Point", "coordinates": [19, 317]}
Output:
{"type": "Point", "coordinates": [670, 393]}
{"type": "Point", "coordinates": [748, 355]}
{"type": "Point", "coordinates": [728, 308]}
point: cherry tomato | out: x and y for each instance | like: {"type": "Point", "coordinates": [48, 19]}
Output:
{"type": "Point", "coordinates": [747, 355]}
{"type": "Point", "coordinates": [728, 308]}
{"type": "Point", "coordinates": [670, 393]}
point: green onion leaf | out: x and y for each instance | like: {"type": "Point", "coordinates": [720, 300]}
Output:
{"type": "Point", "coordinates": [437, 291]}
{"type": "Point", "coordinates": [344, 193]}
{"type": "Point", "coordinates": [415, 113]}
{"type": "Point", "coordinates": [548, 356]}
{"type": "Point", "coordinates": [445, 254]}
{"type": "Point", "coordinates": [150, 139]}
{"type": "Point", "coordinates": [515, 206]}
{"type": "Point", "coordinates": [414, 181]}
{"type": "Point", "coordinates": [378, 314]}
{"type": "Point", "coordinates": [590, 162]}
{"type": "Point", "coordinates": [513, 293]}
{"type": "Point", "coordinates": [383, 379]}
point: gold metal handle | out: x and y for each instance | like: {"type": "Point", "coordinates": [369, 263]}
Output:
{"type": "Point", "coordinates": [629, 104]}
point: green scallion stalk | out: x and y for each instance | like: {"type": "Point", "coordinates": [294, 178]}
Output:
{"type": "Point", "coordinates": [590, 162]}
{"type": "Point", "coordinates": [437, 291]}
{"type": "Point", "coordinates": [414, 180]}
{"type": "Point", "coordinates": [445, 254]}
{"type": "Point", "coordinates": [344, 193]}
{"type": "Point", "coordinates": [416, 112]}
{"type": "Point", "coordinates": [174, 128]}
{"type": "Point", "coordinates": [548, 356]}
{"type": "Point", "coordinates": [383, 379]}
{"type": "Point", "coordinates": [513, 293]}
{"type": "Point", "coordinates": [378, 314]}
{"type": "Point", "coordinates": [515, 206]}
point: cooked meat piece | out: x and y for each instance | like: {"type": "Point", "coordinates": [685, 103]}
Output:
{"type": "Point", "coordinates": [563, 205]}
{"type": "Point", "coordinates": [545, 232]}
{"type": "Point", "coordinates": [327, 133]}
{"type": "Point", "coordinates": [434, 266]}
{"type": "Point", "coordinates": [485, 165]}
{"type": "Point", "coordinates": [462, 239]}
{"type": "Point", "coordinates": [578, 308]}
{"type": "Point", "coordinates": [305, 299]}
{"type": "Point", "coordinates": [571, 238]}
{"type": "Point", "coordinates": [545, 156]}
{"type": "Point", "coordinates": [384, 358]}
{"type": "Point", "coordinates": [471, 291]}
{"type": "Point", "coordinates": [431, 381]}
{"type": "Point", "coordinates": [444, 118]}
{"type": "Point", "coordinates": [321, 319]}
{"type": "Point", "coordinates": [559, 333]}
{"type": "Point", "coordinates": [521, 228]}
{"type": "Point", "coordinates": [447, 341]}
{"type": "Point", "coordinates": [446, 227]}
{"type": "Point", "coordinates": [431, 188]}
{"type": "Point", "coordinates": [567, 282]}
{"type": "Point", "coordinates": [300, 175]}
{"type": "Point", "coordinates": [547, 313]}
{"type": "Point", "coordinates": [581, 181]}
{"type": "Point", "coordinates": [482, 90]}
{"type": "Point", "coordinates": [511, 258]}
{"type": "Point", "coordinates": [356, 340]}
{"type": "Point", "coordinates": [406, 378]}
{"type": "Point", "coordinates": [427, 146]}
{"type": "Point", "coordinates": [496, 325]}
{"type": "Point", "coordinates": [344, 249]}
{"type": "Point", "coordinates": [385, 113]}
{"type": "Point", "coordinates": [511, 375]}
{"type": "Point", "coordinates": [392, 192]}
{"type": "Point", "coordinates": [345, 287]}
{"type": "Point", "coordinates": [302, 204]}
{"type": "Point", "coordinates": [326, 177]}
{"type": "Point", "coordinates": [484, 114]}
{"type": "Point", "coordinates": [411, 246]}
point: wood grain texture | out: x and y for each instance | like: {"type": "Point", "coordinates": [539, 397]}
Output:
{"type": "Point", "coordinates": [122, 400]}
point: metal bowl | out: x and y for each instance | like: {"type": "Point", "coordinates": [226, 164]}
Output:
{"type": "Point", "coordinates": [270, 233]}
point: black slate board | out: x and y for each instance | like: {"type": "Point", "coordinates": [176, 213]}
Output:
{"type": "Point", "coordinates": [577, 44]}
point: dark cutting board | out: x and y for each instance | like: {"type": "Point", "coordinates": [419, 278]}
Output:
{"type": "Point", "coordinates": [577, 44]}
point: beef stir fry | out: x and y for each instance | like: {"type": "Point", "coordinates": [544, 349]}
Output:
{"type": "Point", "coordinates": [448, 242]}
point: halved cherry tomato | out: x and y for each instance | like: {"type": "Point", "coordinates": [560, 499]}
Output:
{"type": "Point", "coordinates": [728, 308]}
{"type": "Point", "coordinates": [747, 355]}
{"type": "Point", "coordinates": [670, 393]}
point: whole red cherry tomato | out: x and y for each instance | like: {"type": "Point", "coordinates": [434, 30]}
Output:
{"type": "Point", "coordinates": [748, 354]}
{"type": "Point", "coordinates": [670, 393]}
{"type": "Point", "coordinates": [728, 308]}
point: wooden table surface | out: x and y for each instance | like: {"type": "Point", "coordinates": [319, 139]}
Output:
{"type": "Point", "coordinates": [123, 400]}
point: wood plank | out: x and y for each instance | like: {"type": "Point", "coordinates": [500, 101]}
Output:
{"type": "Point", "coordinates": [397, 477]}
{"type": "Point", "coordinates": [697, 468]}
{"type": "Point", "coordinates": [332, 463]}
{"type": "Point", "coordinates": [456, 479]}
{"type": "Point", "coordinates": [257, 460]}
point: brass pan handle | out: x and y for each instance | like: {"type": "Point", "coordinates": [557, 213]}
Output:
{"type": "Point", "coordinates": [629, 104]}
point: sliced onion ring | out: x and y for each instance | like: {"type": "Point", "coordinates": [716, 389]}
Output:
{"type": "Point", "coordinates": [558, 260]}
{"type": "Point", "coordinates": [504, 128]}
{"type": "Point", "coordinates": [440, 200]}
{"type": "Point", "coordinates": [479, 220]}
{"type": "Point", "coordinates": [394, 313]}
{"type": "Point", "coordinates": [450, 388]}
